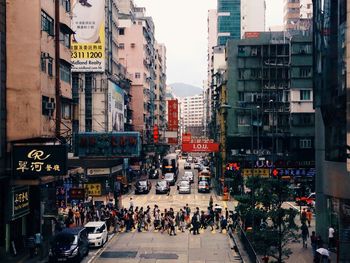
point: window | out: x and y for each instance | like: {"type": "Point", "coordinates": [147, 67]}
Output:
{"type": "Point", "coordinates": [305, 143]}
{"type": "Point", "coordinates": [47, 106]}
{"type": "Point", "coordinates": [65, 39]}
{"type": "Point", "coordinates": [240, 96]}
{"type": "Point", "coordinates": [49, 66]}
{"type": "Point", "coordinates": [66, 5]}
{"type": "Point", "coordinates": [43, 62]}
{"type": "Point", "coordinates": [121, 31]}
{"type": "Point", "coordinates": [47, 23]}
{"type": "Point", "coordinates": [137, 75]}
{"type": "Point", "coordinates": [305, 72]}
{"type": "Point", "coordinates": [66, 111]}
{"type": "Point", "coordinates": [121, 46]}
{"type": "Point", "coordinates": [65, 72]}
{"type": "Point", "coordinates": [241, 120]}
{"type": "Point", "coordinates": [305, 95]}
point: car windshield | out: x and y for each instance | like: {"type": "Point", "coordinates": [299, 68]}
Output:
{"type": "Point", "coordinates": [184, 183]}
{"type": "Point", "coordinates": [161, 183]}
{"type": "Point", "coordinates": [91, 229]}
{"type": "Point", "coordinates": [143, 183]}
{"type": "Point", "coordinates": [202, 183]}
{"type": "Point", "coordinates": [168, 176]}
{"type": "Point", "coordinates": [64, 239]}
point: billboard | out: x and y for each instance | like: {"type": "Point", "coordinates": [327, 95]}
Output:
{"type": "Point", "coordinates": [88, 41]}
{"type": "Point", "coordinates": [39, 160]}
{"type": "Point", "coordinates": [115, 107]}
{"type": "Point", "coordinates": [111, 144]}
{"type": "Point", "coordinates": [173, 119]}
{"type": "Point", "coordinates": [200, 147]}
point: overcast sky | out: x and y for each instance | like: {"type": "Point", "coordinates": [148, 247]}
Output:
{"type": "Point", "coordinates": [182, 26]}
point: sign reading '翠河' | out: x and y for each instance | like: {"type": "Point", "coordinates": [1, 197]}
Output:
{"type": "Point", "coordinates": [39, 160]}
{"type": "Point", "coordinates": [113, 144]}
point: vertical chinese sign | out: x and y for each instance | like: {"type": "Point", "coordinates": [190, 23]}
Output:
{"type": "Point", "coordinates": [88, 41]}
{"type": "Point", "coordinates": [39, 160]}
{"type": "Point", "coordinates": [173, 119]}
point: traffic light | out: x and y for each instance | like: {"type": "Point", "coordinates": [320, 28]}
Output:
{"type": "Point", "coordinates": [155, 134]}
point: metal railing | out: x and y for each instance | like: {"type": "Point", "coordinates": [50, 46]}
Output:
{"type": "Point", "coordinates": [248, 247]}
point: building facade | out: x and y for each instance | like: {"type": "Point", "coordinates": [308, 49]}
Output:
{"type": "Point", "coordinates": [331, 87]}
{"type": "Point", "coordinates": [229, 20]}
{"type": "Point", "coordinates": [192, 109]}
{"type": "Point", "coordinates": [297, 15]}
{"type": "Point", "coordinates": [252, 16]}
{"type": "Point", "coordinates": [265, 96]}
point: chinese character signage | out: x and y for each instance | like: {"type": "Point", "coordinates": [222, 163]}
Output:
{"type": "Point", "coordinates": [88, 41]}
{"type": "Point", "coordinates": [186, 137]}
{"type": "Point", "coordinates": [114, 144]}
{"type": "Point", "coordinates": [77, 194]}
{"type": "Point", "coordinates": [173, 119]}
{"type": "Point", "coordinates": [39, 160]}
{"type": "Point", "coordinates": [93, 189]}
{"type": "Point", "coordinates": [115, 107]}
{"type": "Point", "coordinates": [19, 202]}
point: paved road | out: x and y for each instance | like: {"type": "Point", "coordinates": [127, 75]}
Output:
{"type": "Point", "coordinates": [152, 246]}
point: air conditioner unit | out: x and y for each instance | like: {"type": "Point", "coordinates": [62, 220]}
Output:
{"type": "Point", "coordinates": [49, 105]}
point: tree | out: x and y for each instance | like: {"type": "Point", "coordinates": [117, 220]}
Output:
{"type": "Point", "coordinates": [273, 226]}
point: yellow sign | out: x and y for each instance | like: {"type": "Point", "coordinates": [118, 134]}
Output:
{"type": "Point", "coordinates": [261, 172]}
{"type": "Point", "coordinates": [88, 42]}
{"type": "Point", "coordinates": [93, 189]}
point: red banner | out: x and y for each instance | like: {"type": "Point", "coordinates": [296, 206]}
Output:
{"type": "Point", "coordinates": [200, 147]}
{"type": "Point", "coordinates": [186, 137]}
{"type": "Point", "coordinates": [173, 118]}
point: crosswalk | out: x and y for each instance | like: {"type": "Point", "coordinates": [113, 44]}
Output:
{"type": "Point", "coordinates": [152, 230]}
{"type": "Point", "coordinates": [153, 197]}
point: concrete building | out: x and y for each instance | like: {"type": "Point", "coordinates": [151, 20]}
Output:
{"type": "Point", "coordinates": [229, 20]}
{"type": "Point", "coordinates": [137, 54]}
{"type": "Point", "coordinates": [38, 104]}
{"type": "Point", "coordinates": [297, 15]}
{"type": "Point", "coordinates": [252, 16]}
{"type": "Point", "coordinates": [192, 109]}
{"type": "Point", "coordinates": [331, 87]}
{"type": "Point", "coordinates": [265, 98]}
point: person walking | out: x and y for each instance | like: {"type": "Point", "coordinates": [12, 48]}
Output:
{"type": "Point", "coordinates": [171, 225]}
{"type": "Point", "coordinates": [313, 239]}
{"type": "Point", "coordinates": [223, 223]}
{"type": "Point", "coordinates": [309, 216]}
{"type": "Point", "coordinates": [211, 201]}
{"type": "Point", "coordinates": [303, 216]}
{"type": "Point", "coordinates": [331, 232]}
{"type": "Point", "coordinates": [304, 234]}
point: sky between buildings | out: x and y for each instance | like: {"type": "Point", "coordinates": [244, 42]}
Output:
{"type": "Point", "coordinates": [182, 26]}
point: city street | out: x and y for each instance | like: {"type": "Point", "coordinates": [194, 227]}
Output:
{"type": "Point", "coordinates": [153, 246]}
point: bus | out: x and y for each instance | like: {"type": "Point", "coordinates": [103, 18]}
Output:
{"type": "Point", "coordinates": [170, 164]}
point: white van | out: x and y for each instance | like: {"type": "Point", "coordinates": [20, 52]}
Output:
{"type": "Point", "coordinates": [97, 233]}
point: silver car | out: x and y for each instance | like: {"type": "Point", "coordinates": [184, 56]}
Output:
{"type": "Point", "coordinates": [189, 175]}
{"type": "Point", "coordinates": [184, 187]}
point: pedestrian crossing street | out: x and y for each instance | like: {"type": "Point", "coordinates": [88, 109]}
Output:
{"type": "Point", "coordinates": [201, 231]}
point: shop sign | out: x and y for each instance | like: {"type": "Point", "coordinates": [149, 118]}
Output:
{"type": "Point", "coordinates": [256, 172]}
{"type": "Point", "coordinates": [186, 137]}
{"type": "Point", "coordinates": [173, 118]}
{"type": "Point", "coordinates": [112, 144]}
{"type": "Point", "coordinates": [98, 171]}
{"type": "Point", "coordinates": [39, 160]}
{"type": "Point", "coordinates": [19, 202]}
{"type": "Point", "coordinates": [77, 193]}
{"type": "Point", "coordinates": [301, 172]}
{"type": "Point", "coordinates": [200, 147]}
{"type": "Point", "coordinates": [117, 168]}
{"type": "Point", "coordinates": [93, 189]}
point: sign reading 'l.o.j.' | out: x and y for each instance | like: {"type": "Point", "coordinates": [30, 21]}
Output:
{"type": "Point", "coordinates": [200, 147]}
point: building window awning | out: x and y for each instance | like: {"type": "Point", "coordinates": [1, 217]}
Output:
{"type": "Point", "coordinates": [66, 29]}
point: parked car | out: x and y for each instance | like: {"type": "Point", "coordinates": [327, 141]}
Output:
{"type": "Point", "coordinates": [184, 187]}
{"type": "Point", "coordinates": [69, 245]}
{"type": "Point", "coordinates": [170, 178]}
{"type": "Point", "coordinates": [306, 200]}
{"type": "Point", "coordinates": [189, 175]}
{"type": "Point", "coordinates": [162, 187]}
{"type": "Point", "coordinates": [197, 166]}
{"type": "Point", "coordinates": [97, 233]}
{"type": "Point", "coordinates": [154, 174]}
{"type": "Point", "coordinates": [143, 187]}
{"type": "Point", "coordinates": [187, 165]}
{"type": "Point", "coordinates": [203, 187]}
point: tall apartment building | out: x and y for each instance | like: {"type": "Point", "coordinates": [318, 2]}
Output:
{"type": "Point", "coordinates": [39, 107]}
{"type": "Point", "coordinates": [192, 110]}
{"type": "Point", "coordinates": [229, 20]}
{"type": "Point", "coordinates": [160, 88]}
{"type": "Point", "coordinates": [265, 103]}
{"type": "Point", "coordinates": [137, 55]}
{"type": "Point", "coordinates": [331, 87]}
{"type": "Point", "coordinates": [252, 16]}
{"type": "Point", "coordinates": [297, 15]}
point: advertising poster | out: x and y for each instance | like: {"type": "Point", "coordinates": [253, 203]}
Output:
{"type": "Point", "coordinates": [173, 119]}
{"type": "Point", "coordinates": [115, 107]}
{"type": "Point", "coordinates": [88, 42]}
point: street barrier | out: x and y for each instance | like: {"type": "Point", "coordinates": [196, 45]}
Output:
{"type": "Point", "coordinates": [248, 247]}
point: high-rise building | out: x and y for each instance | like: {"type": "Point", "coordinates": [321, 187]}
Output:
{"type": "Point", "coordinates": [229, 20]}
{"type": "Point", "coordinates": [331, 87]}
{"type": "Point", "coordinates": [192, 109]}
{"type": "Point", "coordinates": [252, 16]}
{"type": "Point", "coordinates": [297, 15]}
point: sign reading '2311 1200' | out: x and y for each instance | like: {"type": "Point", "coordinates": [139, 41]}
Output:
{"type": "Point", "coordinates": [39, 160]}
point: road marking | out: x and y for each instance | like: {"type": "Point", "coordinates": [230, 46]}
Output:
{"type": "Point", "coordinates": [213, 232]}
{"type": "Point", "coordinates": [100, 251]}
{"type": "Point", "coordinates": [225, 204]}
{"type": "Point", "coordinates": [152, 197]}
{"type": "Point", "coordinates": [158, 198]}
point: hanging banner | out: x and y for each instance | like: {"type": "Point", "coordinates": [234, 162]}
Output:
{"type": "Point", "coordinates": [88, 41]}
{"type": "Point", "coordinates": [173, 119]}
{"type": "Point", "coordinates": [115, 107]}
